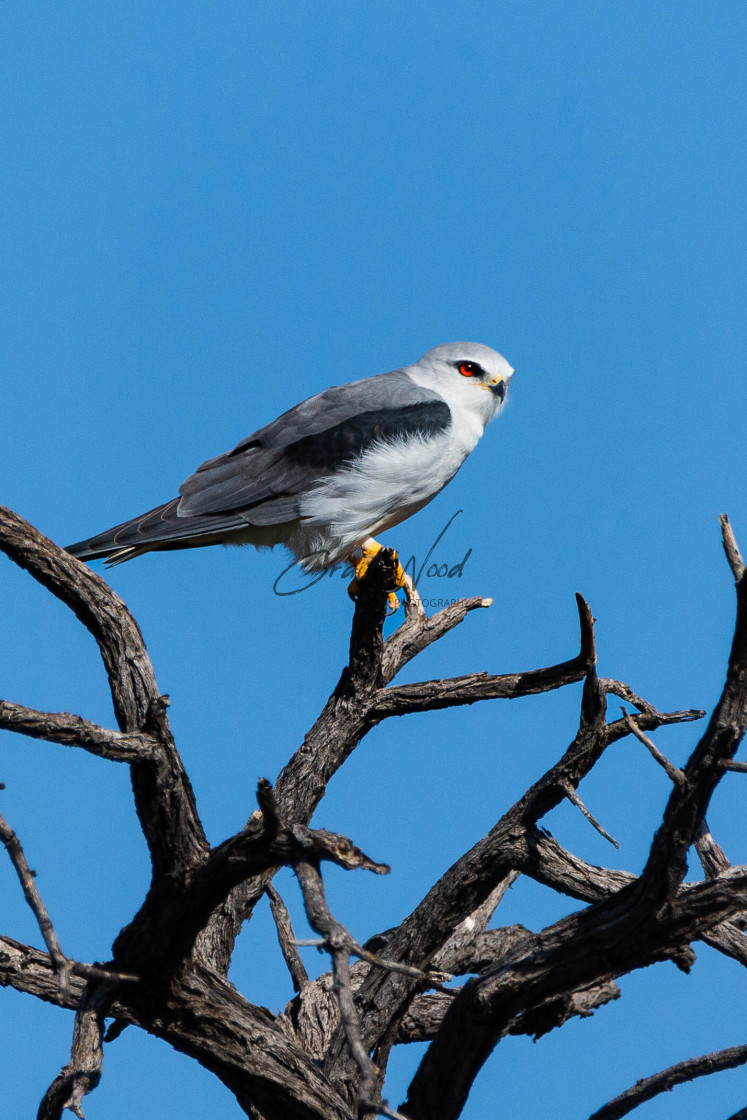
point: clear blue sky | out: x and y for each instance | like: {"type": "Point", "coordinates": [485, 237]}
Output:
{"type": "Point", "coordinates": [211, 211]}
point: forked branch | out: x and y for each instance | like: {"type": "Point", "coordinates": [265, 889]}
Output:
{"type": "Point", "coordinates": [325, 1058]}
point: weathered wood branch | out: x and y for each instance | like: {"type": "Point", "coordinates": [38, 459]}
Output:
{"type": "Point", "coordinates": [428, 696]}
{"type": "Point", "coordinates": [34, 900]}
{"type": "Point", "coordinates": [607, 929]}
{"type": "Point", "coordinates": [172, 917]}
{"type": "Point", "coordinates": [667, 862]}
{"type": "Point", "coordinates": [83, 1072]}
{"type": "Point", "coordinates": [163, 794]}
{"type": "Point", "coordinates": [383, 1000]}
{"type": "Point", "coordinates": [339, 945]}
{"type": "Point", "coordinates": [287, 940]}
{"type": "Point", "coordinates": [588, 948]}
{"type": "Point", "coordinates": [33, 972]}
{"type": "Point", "coordinates": [664, 1081]}
{"type": "Point", "coordinates": [361, 700]}
{"type": "Point", "coordinates": [73, 731]}
{"type": "Point", "coordinates": [325, 1058]}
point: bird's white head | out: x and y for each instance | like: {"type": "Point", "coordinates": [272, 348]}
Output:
{"type": "Point", "coordinates": [467, 374]}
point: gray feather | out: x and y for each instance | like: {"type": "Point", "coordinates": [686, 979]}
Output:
{"type": "Point", "coordinates": [262, 481]}
{"type": "Point", "coordinates": [263, 467]}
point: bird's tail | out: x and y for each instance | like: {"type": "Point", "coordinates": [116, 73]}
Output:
{"type": "Point", "coordinates": [131, 538]}
{"type": "Point", "coordinates": [158, 530]}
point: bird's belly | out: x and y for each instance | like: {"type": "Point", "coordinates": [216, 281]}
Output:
{"type": "Point", "coordinates": [383, 487]}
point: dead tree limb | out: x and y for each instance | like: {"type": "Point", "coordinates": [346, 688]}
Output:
{"type": "Point", "coordinates": [664, 1081]}
{"type": "Point", "coordinates": [325, 1057]}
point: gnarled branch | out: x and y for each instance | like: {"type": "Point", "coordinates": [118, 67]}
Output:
{"type": "Point", "coordinates": [325, 1058]}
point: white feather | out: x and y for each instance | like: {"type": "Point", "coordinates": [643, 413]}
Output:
{"type": "Point", "coordinates": [393, 480]}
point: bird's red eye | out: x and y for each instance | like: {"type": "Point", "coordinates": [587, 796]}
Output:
{"type": "Point", "coordinates": [468, 369]}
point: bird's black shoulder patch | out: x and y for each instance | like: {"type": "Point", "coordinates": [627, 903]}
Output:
{"type": "Point", "coordinates": [344, 442]}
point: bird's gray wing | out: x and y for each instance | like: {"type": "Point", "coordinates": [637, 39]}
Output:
{"type": "Point", "coordinates": [263, 479]}
{"type": "Point", "coordinates": [266, 475]}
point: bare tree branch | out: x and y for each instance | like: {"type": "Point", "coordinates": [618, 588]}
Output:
{"type": "Point", "coordinates": [712, 858]}
{"type": "Point", "coordinates": [287, 940]}
{"type": "Point", "coordinates": [733, 764]}
{"type": "Point", "coordinates": [34, 900]}
{"type": "Point", "coordinates": [731, 548]}
{"type": "Point", "coordinates": [83, 1072]}
{"type": "Point", "coordinates": [73, 731]}
{"type": "Point", "coordinates": [430, 695]}
{"type": "Point", "coordinates": [574, 799]}
{"type": "Point", "coordinates": [418, 632]}
{"type": "Point", "coordinates": [667, 862]}
{"type": "Point", "coordinates": [163, 794]}
{"type": "Point", "coordinates": [458, 954]}
{"type": "Point", "coordinates": [587, 948]}
{"type": "Point", "coordinates": [649, 1087]}
{"type": "Point", "coordinates": [339, 944]}
{"type": "Point", "coordinates": [673, 772]}
{"type": "Point", "coordinates": [325, 1057]}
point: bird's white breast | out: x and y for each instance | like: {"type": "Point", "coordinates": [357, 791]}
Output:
{"type": "Point", "coordinates": [387, 484]}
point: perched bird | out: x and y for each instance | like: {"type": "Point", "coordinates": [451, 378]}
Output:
{"type": "Point", "coordinates": [330, 473]}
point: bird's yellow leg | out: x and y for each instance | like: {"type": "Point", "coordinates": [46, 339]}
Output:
{"type": "Point", "coordinates": [367, 551]}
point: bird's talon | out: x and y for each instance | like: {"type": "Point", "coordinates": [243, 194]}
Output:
{"type": "Point", "coordinates": [368, 551]}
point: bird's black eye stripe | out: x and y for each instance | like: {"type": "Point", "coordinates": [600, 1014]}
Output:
{"type": "Point", "coordinates": [470, 369]}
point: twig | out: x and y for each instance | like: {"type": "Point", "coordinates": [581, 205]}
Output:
{"type": "Point", "coordinates": [650, 721]}
{"type": "Point", "coordinates": [731, 548]}
{"type": "Point", "coordinates": [624, 692]}
{"type": "Point", "coordinates": [419, 631]}
{"type": "Point", "coordinates": [339, 943]}
{"type": "Point", "coordinates": [33, 898]}
{"type": "Point", "coordinates": [383, 1109]}
{"type": "Point", "coordinates": [733, 764]}
{"type": "Point", "coordinates": [665, 1080]}
{"type": "Point", "coordinates": [101, 972]}
{"type": "Point", "coordinates": [286, 939]}
{"type": "Point", "coordinates": [433, 978]}
{"type": "Point", "coordinates": [574, 798]}
{"type": "Point", "coordinates": [413, 602]}
{"type": "Point", "coordinates": [674, 773]}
